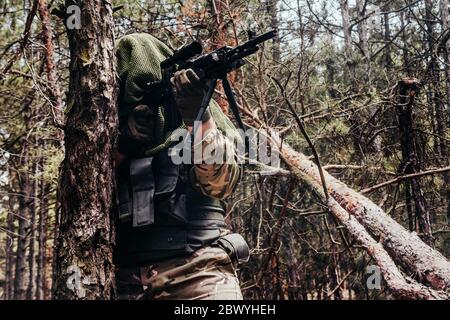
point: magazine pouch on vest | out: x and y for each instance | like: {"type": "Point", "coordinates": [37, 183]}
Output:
{"type": "Point", "coordinates": [143, 190]}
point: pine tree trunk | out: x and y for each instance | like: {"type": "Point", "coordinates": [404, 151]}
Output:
{"type": "Point", "coordinates": [52, 77]}
{"type": "Point", "coordinates": [9, 263]}
{"type": "Point", "coordinates": [32, 241]}
{"type": "Point", "coordinates": [25, 201]}
{"type": "Point", "coordinates": [84, 267]}
{"type": "Point", "coordinates": [406, 91]}
{"type": "Point", "coordinates": [445, 26]}
{"type": "Point", "coordinates": [41, 284]}
{"type": "Point", "coordinates": [363, 33]}
{"type": "Point", "coordinates": [435, 95]}
{"type": "Point", "coordinates": [387, 36]}
{"type": "Point", "coordinates": [272, 8]}
{"type": "Point", "coordinates": [347, 36]}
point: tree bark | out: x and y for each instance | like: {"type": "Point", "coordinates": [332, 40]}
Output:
{"type": "Point", "coordinates": [52, 77]}
{"type": "Point", "coordinates": [272, 9]}
{"type": "Point", "coordinates": [25, 202]}
{"type": "Point", "coordinates": [363, 33]}
{"type": "Point", "coordinates": [347, 36]}
{"type": "Point", "coordinates": [32, 241]}
{"type": "Point", "coordinates": [84, 266]}
{"type": "Point", "coordinates": [9, 250]}
{"type": "Point", "coordinates": [41, 281]}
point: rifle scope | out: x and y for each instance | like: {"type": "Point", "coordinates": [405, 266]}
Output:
{"type": "Point", "coordinates": [183, 54]}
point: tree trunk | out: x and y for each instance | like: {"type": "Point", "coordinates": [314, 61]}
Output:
{"type": "Point", "coordinates": [52, 77]}
{"type": "Point", "coordinates": [406, 91]}
{"type": "Point", "coordinates": [445, 26]}
{"type": "Point", "coordinates": [9, 250]}
{"type": "Point", "coordinates": [25, 201]}
{"type": "Point", "coordinates": [387, 37]}
{"type": "Point", "coordinates": [272, 9]}
{"type": "Point", "coordinates": [41, 281]}
{"type": "Point", "coordinates": [32, 241]}
{"type": "Point", "coordinates": [435, 96]}
{"type": "Point", "coordinates": [54, 93]}
{"type": "Point", "coordinates": [84, 251]}
{"type": "Point", "coordinates": [444, 9]}
{"type": "Point", "coordinates": [347, 36]}
{"type": "Point", "coordinates": [363, 33]}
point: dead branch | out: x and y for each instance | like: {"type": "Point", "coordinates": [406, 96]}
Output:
{"type": "Point", "coordinates": [405, 177]}
{"type": "Point", "coordinates": [406, 248]}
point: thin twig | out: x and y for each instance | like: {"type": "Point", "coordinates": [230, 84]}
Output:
{"type": "Point", "coordinates": [405, 177]}
{"type": "Point", "coordinates": [305, 134]}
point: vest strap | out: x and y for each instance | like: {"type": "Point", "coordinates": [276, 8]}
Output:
{"type": "Point", "coordinates": [124, 201]}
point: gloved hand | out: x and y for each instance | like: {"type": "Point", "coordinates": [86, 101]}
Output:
{"type": "Point", "coordinates": [141, 123]}
{"type": "Point", "coordinates": [189, 92]}
{"type": "Point", "coordinates": [137, 130]}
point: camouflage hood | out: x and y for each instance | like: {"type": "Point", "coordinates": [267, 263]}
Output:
{"type": "Point", "coordinates": [138, 62]}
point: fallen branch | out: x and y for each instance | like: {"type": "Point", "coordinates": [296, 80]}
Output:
{"type": "Point", "coordinates": [366, 222]}
{"type": "Point", "coordinates": [405, 247]}
{"type": "Point", "coordinates": [405, 177]}
{"type": "Point", "coordinates": [397, 284]}
{"type": "Point", "coordinates": [341, 166]}
{"type": "Point", "coordinates": [402, 246]}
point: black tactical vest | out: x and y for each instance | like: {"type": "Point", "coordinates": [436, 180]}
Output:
{"type": "Point", "coordinates": [160, 214]}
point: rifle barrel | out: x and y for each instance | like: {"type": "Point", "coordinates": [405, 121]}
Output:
{"type": "Point", "coordinates": [260, 39]}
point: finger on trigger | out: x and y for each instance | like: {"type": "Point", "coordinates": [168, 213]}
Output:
{"type": "Point", "coordinates": [193, 77]}
{"type": "Point", "coordinates": [196, 84]}
{"type": "Point", "coordinates": [173, 81]}
{"type": "Point", "coordinates": [185, 84]}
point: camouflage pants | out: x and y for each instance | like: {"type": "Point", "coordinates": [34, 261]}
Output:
{"type": "Point", "coordinates": [208, 274]}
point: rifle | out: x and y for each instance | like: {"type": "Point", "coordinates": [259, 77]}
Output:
{"type": "Point", "coordinates": [213, 66]}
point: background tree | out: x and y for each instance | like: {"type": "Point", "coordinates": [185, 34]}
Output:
{"type": "Point", "coordinates": [86, 189]}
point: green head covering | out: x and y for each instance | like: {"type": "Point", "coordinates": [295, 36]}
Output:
{"type": "Point", "coordinates": [139, 56]}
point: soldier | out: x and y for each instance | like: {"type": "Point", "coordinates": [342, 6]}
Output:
{"type": "Point", "coordinates": [171, 239]}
